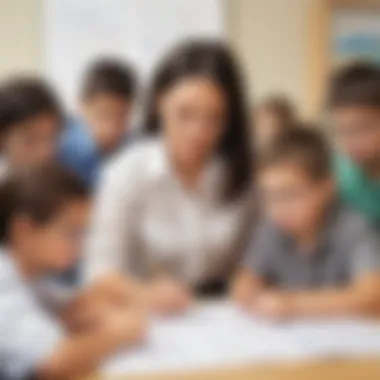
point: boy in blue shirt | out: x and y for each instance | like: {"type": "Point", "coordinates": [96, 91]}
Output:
{"type": "Point", "coordinates": [105, 111]}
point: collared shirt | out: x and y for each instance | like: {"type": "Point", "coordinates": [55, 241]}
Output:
{"type": "Point", "coordinates": [28, 334]}
{"type": "Point", "coordinates": [146, 222]}
{"type": "Point", "coordinates": [348, 247]}
{"type": "Point", "coordinates": [79, 152]}
{"type": "Point", "coordinates": [358, 190]}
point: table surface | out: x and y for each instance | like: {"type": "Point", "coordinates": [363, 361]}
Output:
{"type": "Point", "coordinates": [366, 369]}
{"type": "Point", "coordinates": [321, 369]}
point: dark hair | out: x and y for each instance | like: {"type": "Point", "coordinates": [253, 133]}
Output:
{"type": "Point", "coordinates": [355, 85]}
{"type": "Point", "coordinates": [303, 146]}
{"type": "Point", "coordinates": [39, 193]}
{"type": "Point", "coordinates": [109, 76]}
{"type": "Point", "coordinates": [281, 107]}
{"type": "Point", "coordinates": [22, 99]}
{"type": "Point", "coordinates": [211, 59]}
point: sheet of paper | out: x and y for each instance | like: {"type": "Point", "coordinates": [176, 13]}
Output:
{"type": "Point", "coordinates": [337, 338]}
{"type": "Point", "coordinates": [207, 336]}
{"type": "Point", "coordinates": [217, 334]}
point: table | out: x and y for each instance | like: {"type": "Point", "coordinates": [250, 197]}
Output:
{"type": "Point", "coordinates": [334, 368]}
{"type": "Point", "coordinates": [365, 369]}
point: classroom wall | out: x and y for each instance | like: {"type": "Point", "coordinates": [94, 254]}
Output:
{"type": "Point", "coordinates": [271, 36]}
{"type": "Point", "coordinates": [21, 45]}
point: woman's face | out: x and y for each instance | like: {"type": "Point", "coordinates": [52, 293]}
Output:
{"type": "Point", "coordinates": [193, 113]}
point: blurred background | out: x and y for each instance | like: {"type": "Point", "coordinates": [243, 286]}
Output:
{"type": "Point", "coordinates": [286, 46]}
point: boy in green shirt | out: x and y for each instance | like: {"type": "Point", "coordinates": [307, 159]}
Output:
{"type": "Point", "coordinates": [354, 105]}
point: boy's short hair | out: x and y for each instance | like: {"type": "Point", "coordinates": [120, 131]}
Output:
{"type": "Point", "coordinates": [303, 146]}
{"type": "Point", "coordinates": [22, 99]}
{"type": "Point", "coordinates": [280, 106]}
{"type": "Point", "coordinates": [109, 76]}
{"type": "Point", "coordinates": [355, 85]}
{"type": "Point", "coordinates": [39, 193]}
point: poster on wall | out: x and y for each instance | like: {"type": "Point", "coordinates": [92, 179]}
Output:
{"type": "Point", "coordinates": [355, 35]}
{"type": "Point", "coordinates": [140, 31]}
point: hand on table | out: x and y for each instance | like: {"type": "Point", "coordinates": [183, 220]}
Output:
{"type": "Point", "coordinates": [130, 324]}
{"type": "Point", "coordinates": [166, 295]}
{"type": "Point", "coordinates": [115, 289]}
{"type": "Point", "coordinates": [273, 305]}
{"type": "Point", "coordinates": [242, 290]}
{"type": "Point", "coordinates": [108, 293]}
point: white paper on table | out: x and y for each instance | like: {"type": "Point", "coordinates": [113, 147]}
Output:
{"type": "Point", "coordinates": [217, 334]}
{"type": "Point", "coordinates": [338, 337]}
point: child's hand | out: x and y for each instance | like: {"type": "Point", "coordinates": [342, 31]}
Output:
{"type": "Point", "coordinates": [115, 289]}
{"type": "Point", "coordinates": [272, 305]}
{"type": "Point", "coordinates": [130, 324]}
{"type": "Point", "coordinates": [167, 296]}
{"type": "Point", "coordinates": [110, 292]}
{"type": "Point", "coordinates": [242, 289]}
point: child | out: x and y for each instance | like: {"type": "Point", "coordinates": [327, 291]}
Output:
{"type": "Point", "coordinates": [354, 104]}
{"type": "Point", "coordinates": [30, 118]}
{"type": "Point", "coordinates": [42, 217]}
{"type": "Point", "coordinates": [312, 256]}
{"type": "Point", "coordinates": [272, 117]}
{"type": "Point", "coordinates": [100, 130]}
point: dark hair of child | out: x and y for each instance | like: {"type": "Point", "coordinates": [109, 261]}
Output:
{"type": "Point", "coordinates": [355, 85]}
{"type": "Point", "coordinates": [281, 107]}
{"type": "Point", "coordinates": [22, 99]}
{"type": "Point", "coordinates": [306, 147]}
{"type": "Point", "coordinates": [39, 193]}
{"type": "Point", "coordinates": [109, 76]}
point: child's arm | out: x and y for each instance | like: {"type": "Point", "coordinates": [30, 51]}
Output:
{"type": "Point", "coordinates": [249, 282]}
{"type": "Point", "coordinates": [245, 287]}
{"type": "Point", "coordinates": [110, 291]}
{"type": "Point", "coordinates": [81, 354]}
{"type": "Point", "coordinates": [162, 294]}
{"type": "Point", "coordinates": [33, 341]}
{"type": "Point", "coordinates": [166, 295]}
{"type": "Point", "coordinates": [361, 298]}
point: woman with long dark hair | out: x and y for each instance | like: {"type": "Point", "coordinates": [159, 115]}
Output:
{"type": "Point", "coordinates": [175, 206]}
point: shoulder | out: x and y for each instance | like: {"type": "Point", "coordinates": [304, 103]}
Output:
{"type": "Point", "coordinates": [73, 135]}
{"type": "Point", "coordinates": [347, 173]}
{"type": "Point", "coordinates": [266, 234]}
{"type": "Point", "coordinates": [352, 225]}
{"type": "Point", "coordinates": [134, 163]}
{"type": "Point", "coordinates": [70, 129]}
{"type": "Point", "coordinates": [264, 246]}
{"type": "Point", "coordinates": [8, 273]}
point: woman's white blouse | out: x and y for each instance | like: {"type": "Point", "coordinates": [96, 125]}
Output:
{"type": "Point", "coordinates": [146, 222]}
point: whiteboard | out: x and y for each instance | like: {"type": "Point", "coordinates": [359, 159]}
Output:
{"type": "Point", "coordinates": [77, 31]}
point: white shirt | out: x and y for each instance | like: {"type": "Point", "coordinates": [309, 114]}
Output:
{"type": "Point", "coordinates": [145, 221]}
{"type": "Point", "coordinates": [28, 334]}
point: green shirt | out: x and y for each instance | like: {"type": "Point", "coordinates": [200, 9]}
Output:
{"type": "Point", "coordinates": [357, 190]}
